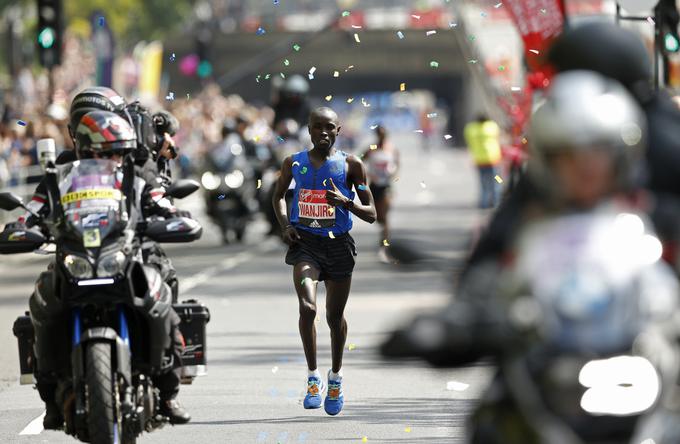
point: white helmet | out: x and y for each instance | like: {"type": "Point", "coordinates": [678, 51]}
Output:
{"type": "Point", "coordinates": [583, 111]}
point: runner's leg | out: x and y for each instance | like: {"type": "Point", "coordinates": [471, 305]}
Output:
{"type": "Point", "coordinates": [337, 293]}
{"type": "Point", "coordinates": [306, 292]}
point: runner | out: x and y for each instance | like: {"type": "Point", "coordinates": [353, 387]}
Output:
{"type": "Point", "coordinates": [382, 163]}
{"type": "Point", "coordinates": [321, 248]}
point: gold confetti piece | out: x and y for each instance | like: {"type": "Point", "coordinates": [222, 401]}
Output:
{"type": "Point", "coordinates": [256, 138]}
{"type": "Point", "coordinates": [364, 439]}
{"type": "Point", "coordinates": [350, 100]}
{"type": "Point", "coordinates": [328, 98]}
{"type": "Point", "coordinates": [422, 184]}
{"type": "Point", "coordinates": [386, 243]}
{"type": "Point", "coordinates": [373, 147]}
{"type": "Point", "coordinates": [402, 87]}
{"type": "Point", "coordinates": [259, 183]}
{"type": "Point", "coordinates": [498, 178]}
{"type": "Point", "coordinates": [351, 347]}
{"type": "Point", "coordinates": [407, 429]}
{"type": "Point", "coordinates": [336, 74]}
{"type": "Point", "coordinates": [524, 140]}
{"type": "Point", "coordinates": [330, 234]}
{"type": "Point", "coordinates": [356, 37]}
{"type": "Point", "coordinates": [396, 179]}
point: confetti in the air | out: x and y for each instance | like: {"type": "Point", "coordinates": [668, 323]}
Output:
{"type": "Point", "coordinates": [396, 179]}
{"type": "Point", "coordinates": [386, 243]}
{"type": "Point", "coordinates": [373, 147]}
{"type": "Point", "coordinates": [498, 178]}
{"type": "Point", "coordinates": [362, 187]}
{"type": "Point", "coordinates": [356, 26]}
{"type": "Point", "coordinates": [452, 24]}
{"type": "Point", "coordinates": [303, 170]}
{"type": "Point", "coordinates": [432, 115]}
{"type": "Point", "coordinates": [543, 10]}
{"type": "Point", "coordinates": [330, 234]}
{"type": "Point", "coordinates": [259, 183]}
{"type": "Point", "coordinates": [407, 429]}
{"type": "Point", "coordinates": [345, 13]}
{"type": "Point", "coordinates": [471, 38]}
{"type": "Point", "coordinates": [260, 31]}
{"type": "Point", "coordinates": [365, 103]}
{"type": "Point", "coordinates": [296, 47]}
{"type": "Point", "coordinates": [423, 185]}
{"type": "Point", "coordinates": [280, 139]}
{"type": "Point", "coordinates": [473, 61]}
{"type": "Point", "coordinates": [170, 96]}
{"type": "Point", "coordinates": [501, 68]}
{"type": "Point", "coordinates": [350, 100]}
{"type": "Point", "coordinates": [651, 21]}
{"type": "Point", "coordinates": [283, 76]}
{"type": "Point", "coordinates": [418, 131]}
{"type": "Point", "coordinates": [483, 14]}
{"type": "Point", "coordinates": [516, 88]}
{"type": "Point", "coordinates": [172, 57]}
{"type": "Point", "coordinates": [498, 5]}
{"type": "Point", "coordinates": [434, 64]}
{"type": "Point", "coordinates": [275, 369]}
{"type": "Point", "coordinates": [328, 98]}
{"type": "Point", "coordinates": [400, 35]}
{"type": "Point", "coordinates": [402, 87]}
{"type": "Point", "coordinates": [21, 123]}
{"type": "Point", "coordinates": [417, 17]}
{"type": "Point", "coordinates": [364, 439]}
{"type": "Point", "coordinates": [429, 33]}
{"type": "Point", "coordinates": [356, 38]}
{"type": "Point", "coordinates": [267, 76]}
{"type": "Point", "coordinates": [374, 126]}
{"type": "Point", "coordinates": [286, 62]}
{"type": "Point", "coordinates": [336, 74]}
{"type": "Point", "coordinates": [535, 51]}
{"type": "Point", "coordinates": [349, 67]}
{"type": "Point", "coordinates": [447, 136]}
{"type": "Point", "coordinates": [351, 347]}
{"type": "Point", "coordinates": [456, 386]}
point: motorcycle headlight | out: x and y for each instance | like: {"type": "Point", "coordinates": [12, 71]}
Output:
{"type": "Point", "coordinates": [234, 179]}
{"type": "Point", "coordinates": [210, 181]}
{"type": "Point", "coordinates": [111, 264]}
{"type": "Point", "coordinates": [78, 267]}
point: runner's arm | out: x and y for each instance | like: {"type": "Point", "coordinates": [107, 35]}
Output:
{"type": "Point", "coordinates": [279, 196]}
{"type": "Point", "coordinates": [356, 177]}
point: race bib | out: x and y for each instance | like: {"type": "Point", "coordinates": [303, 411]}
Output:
{"type": "Point", "coordinates": [313, 210]}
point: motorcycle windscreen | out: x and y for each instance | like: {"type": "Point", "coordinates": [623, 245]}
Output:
{"type": "Point", "coordinates": [90, 193]}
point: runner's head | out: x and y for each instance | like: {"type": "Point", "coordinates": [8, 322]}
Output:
{"type": "Point", "coordinates": [92, 99]}
{"type": "Point", "coordinates": [586, 139]}
{"type": "Point", "coordinates": [324, 127]}
{"type": "Point", "coordinates": [381, 133]}
{"type": "Point", "coordinates": [103, 134]}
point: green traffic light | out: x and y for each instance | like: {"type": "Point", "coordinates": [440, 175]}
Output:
{"type": "Point", "coordinates": [671, 43]}
{"type": "Point", "coordinates": [46, 37]}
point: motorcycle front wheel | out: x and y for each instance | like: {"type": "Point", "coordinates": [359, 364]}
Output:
{"type": "Point", "coordinates": [101, 420]}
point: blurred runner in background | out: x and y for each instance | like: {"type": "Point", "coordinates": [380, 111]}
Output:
{"type": "Point", "coordinates": [482, 138]}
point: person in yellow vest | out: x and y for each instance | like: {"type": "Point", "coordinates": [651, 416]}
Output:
{"type": "Point", "coordinates": [482, 137]}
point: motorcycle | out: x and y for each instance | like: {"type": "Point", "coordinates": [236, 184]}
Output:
{"type": "Point", "coordinates": [111, 332]}
{"type": "Point", "coordinates": [581, 326]}
{"type": "Point", "coordinates": [229, 184]}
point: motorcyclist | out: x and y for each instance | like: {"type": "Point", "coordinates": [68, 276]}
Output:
{"type": "Point", "coordinates": [100, 134]}
{"type": "Point", "coordinates": [586, 141]}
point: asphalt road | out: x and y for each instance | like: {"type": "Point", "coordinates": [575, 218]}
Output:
{"type": "Point", "coordinates": [257, 376]}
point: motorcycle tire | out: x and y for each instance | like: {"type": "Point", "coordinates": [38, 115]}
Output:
{"type": "Point", "coordinates": [99, 377]}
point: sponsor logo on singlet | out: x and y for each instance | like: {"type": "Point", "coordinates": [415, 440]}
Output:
{"type": "Point", "coordinates": [313, 210]}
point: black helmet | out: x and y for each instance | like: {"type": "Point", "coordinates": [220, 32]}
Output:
{"type": "Point", "coordinates": [93, 99]}
{"type": "Point", "coordinates": [605, 48]}
{"type": "Point", "coordinates": [104, 133]}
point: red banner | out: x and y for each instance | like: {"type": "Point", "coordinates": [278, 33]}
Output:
{"type": "Point", "coordinates": [538, 22]}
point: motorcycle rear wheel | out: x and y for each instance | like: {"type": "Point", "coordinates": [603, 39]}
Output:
{"type": "Point", "coordinates": [101, 420]}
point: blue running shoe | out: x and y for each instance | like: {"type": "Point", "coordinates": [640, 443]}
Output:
{"type": "Point", "coordinates": [315, 388]}
{"type": "Point", "coordinates": [335, 398]}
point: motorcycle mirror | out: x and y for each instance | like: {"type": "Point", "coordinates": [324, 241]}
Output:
{"type": "Point", "coordinates": [20, 241]}
{"type": "Point", "coordinates": [10, 201]}
{"type": "Point", "coordinates": [182, 188]}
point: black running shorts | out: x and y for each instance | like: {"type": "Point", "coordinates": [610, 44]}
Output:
{"type": "Point", "coordinates": [333, 257]}
{"type": "Point", "coordinates": [379, 192]}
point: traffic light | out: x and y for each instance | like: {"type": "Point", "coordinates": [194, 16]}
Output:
{"type": "Point", "coordinates": [49, 32]}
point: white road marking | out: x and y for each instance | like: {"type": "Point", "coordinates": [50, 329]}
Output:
{"type": "Point", "coordinates": [197, 279]}
{"type": "Point", "coordinates": [34, 427]}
